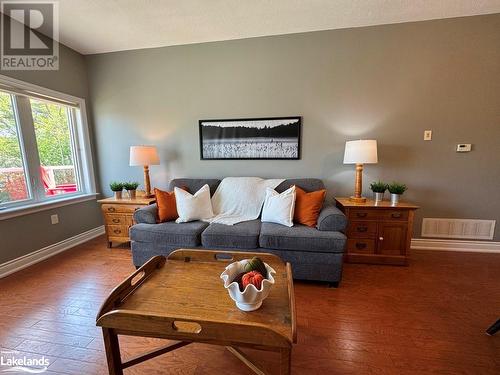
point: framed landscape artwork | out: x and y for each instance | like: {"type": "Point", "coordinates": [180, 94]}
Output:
{"type": "Point", "coordinates": [255, 138]}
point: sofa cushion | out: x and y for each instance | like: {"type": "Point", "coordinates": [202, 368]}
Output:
{"type": "Point", "coordinates": [169, 233]}
{"type": "Point", "coordinates": [300, 238]}
{"type": "Point", "coordinates": [307, 184]}
{"type": "Point", "coordinates": [167, 208]}
{"type": "Point", "coordinates": [243, 235]}
{"type": "Point", "coordinates": [278, 208]}
{"type": "Point", "coordinates": [194, 184]}
{"type": "Point", "coordinates": [308, 206]}
{"type": "Point", "coordinates": [193, 207]}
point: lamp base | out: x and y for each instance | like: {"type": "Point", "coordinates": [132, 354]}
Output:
{"type": "Point", "coordinates": [357, 199]}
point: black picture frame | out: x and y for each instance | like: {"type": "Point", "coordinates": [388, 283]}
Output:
{"type": "Point", "coordinates": [289, 151]}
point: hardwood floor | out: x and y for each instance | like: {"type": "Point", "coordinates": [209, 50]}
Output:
{"type": "Point", "coordinates": [428, 318]}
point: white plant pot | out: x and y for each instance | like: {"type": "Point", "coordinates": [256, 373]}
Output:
{"type": "Point", "coordinates": [378, 197]}
{"type": "Point", "coordinates": [251, 298]}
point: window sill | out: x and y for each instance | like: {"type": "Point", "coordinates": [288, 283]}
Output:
{"type": "Point", "coordinates": [42, 206]}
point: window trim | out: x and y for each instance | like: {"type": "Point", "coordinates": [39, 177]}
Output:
{"type": "Point", "coordinates": [11, 212]}
{"type": "Point", "coordinates": [83, 153]}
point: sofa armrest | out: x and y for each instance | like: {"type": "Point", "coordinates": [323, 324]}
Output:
{"type": "Point", "coordinates": [146, 215]}
{"type": "Point", "coordinates": [331, 219]}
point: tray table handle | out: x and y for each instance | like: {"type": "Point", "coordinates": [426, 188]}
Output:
{"type": "Point", "coordinates": [194, 255]}
{"type": "Point", "coordinates": [186, 327]}
{"type": "Point", "coordinates": [138, 278]}
{"type": "Point", "coordinates": [118, 295]}
{"type": "Point", "coordinates": [225, 257]}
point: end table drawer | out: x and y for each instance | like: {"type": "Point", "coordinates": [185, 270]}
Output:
{"type": "Point", "coordinates": [360, 214]}
{"type": "Point", "coordinates": [117, 219]}
{"type": "Point", "coordinates": [362, 229]}
{"type": "Point", "coordinates": [384, 214]}
{"type": "Point", "coordinates": [394, 215]}
{"type": "Point", "coordinates": [361, 246]}
{"type": "Point", "coordinates": [117, 230]}
{"type": "Point", "coordinates": [121, 208]}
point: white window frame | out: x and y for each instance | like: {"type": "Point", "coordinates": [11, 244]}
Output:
{"type": "Point", "coordinates": [81, 148]}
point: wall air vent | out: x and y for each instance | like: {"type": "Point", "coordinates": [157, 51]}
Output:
{"type": "Point", "coordinates": [458, 228]}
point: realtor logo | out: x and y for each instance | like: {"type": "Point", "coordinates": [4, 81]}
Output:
{"type": "Point", "coordinates": [14, 361]}
{"type": "Point", "coordinates": [30, 34]}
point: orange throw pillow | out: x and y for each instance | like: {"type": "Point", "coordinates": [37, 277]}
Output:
{"type": "Point", "coordinates": [167, 209]}
{"type": "Point", "coordinates": [308, 206]}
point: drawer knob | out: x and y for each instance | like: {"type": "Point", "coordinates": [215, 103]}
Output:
{"type": "Point", "coordinates": [111, 209]}
{"type": "Point", "coordinates": [381, 238]}
{"type": "Point", "coordinates": [361, 214]}
{"type": "Point", "coordinates": [117, 231]}
{"type": "Point", "coordinates": [396, 215]}
{"type": "Point", "coordinates": [116, 221]}
{"type": "Point", "coordinates": [362, 229]}
{"type": "Point", "coordinates": [360, 245]}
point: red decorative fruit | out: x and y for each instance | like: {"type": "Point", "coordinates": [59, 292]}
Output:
{"type": "Point", "coordinates": [253, 277]}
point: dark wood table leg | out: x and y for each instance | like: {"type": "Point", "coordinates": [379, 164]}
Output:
{"type": "Point", "coordinates": [285, 361]}
{"type": "Point", "coordinates": [112, 352]}
{"type": "Point", "coordinates": [495, 327]}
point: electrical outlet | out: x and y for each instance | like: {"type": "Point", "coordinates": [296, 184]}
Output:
{"type": "Point", "coordinates": [464, 147]}
{"type": "Point", "coordinates": [427, 135]}
{"type": "Point", "coordinates": [54, 219]}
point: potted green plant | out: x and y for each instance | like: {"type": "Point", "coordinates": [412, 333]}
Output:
{"type": "Point", "coordinates": [396, 189]}
{"type": "Point", "coordinates": [117, 188]}
{"type": "Point", "coordinates": [378, 189]}
{"type": "Point", "coordinates": [131, 188]}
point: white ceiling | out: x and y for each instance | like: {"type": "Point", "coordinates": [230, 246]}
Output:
{"type": "Point", "coordinates": [96, 26]}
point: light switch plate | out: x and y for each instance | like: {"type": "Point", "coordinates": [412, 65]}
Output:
{"type": "Point", "coordinates": [464, 147]}
{"type": "Point", "coordinates": [54, 219]}
{"type": "Point", "coordinates": [427, 135]}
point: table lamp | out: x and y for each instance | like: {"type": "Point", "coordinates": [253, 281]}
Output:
{"type": "Point", "coordinates": [360, 152]}
{"type": "Point", "coordinates": [144, 156]}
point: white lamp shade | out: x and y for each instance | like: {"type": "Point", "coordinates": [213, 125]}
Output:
{"type": "Point", "coordinates": [361, 152]}
{"type": "Point", "coordinates": [144, 155]}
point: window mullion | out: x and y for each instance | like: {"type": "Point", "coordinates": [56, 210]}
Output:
{"type": "Point", "coordinates": [30, 147]}
{"type": "Point", "coordinates": [76, 150]}
{"type": "Point", "coordinates": [84, 149]}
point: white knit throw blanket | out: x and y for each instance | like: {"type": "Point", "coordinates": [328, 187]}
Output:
{"type": "Point", "coordinates": [239, 199]}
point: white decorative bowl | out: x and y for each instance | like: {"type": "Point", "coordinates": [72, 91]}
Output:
{"type": "Point", "coordinates": [251, 298]}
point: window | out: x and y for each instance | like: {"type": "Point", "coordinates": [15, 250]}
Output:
{"type": "Point", "coordinates": [55, 147]}
{"type": "Point", "coordinates": [44, 149]}
{"type": "Point", "coordinates": [13, 185]}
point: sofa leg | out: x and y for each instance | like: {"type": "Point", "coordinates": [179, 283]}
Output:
{"type": "Point", "coordinates": [334, 284]}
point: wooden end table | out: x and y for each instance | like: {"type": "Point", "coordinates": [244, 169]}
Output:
{"type": "Point", "coordinates": [119, 216]}
{"type": "Point", "coordinates": [182, 298]}
{"type": "Point", "coordinates": [378, 232]}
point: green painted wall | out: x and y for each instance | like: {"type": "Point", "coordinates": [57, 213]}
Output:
{"type": "Point", "coordinates": [386, 82]}
{"type": "Point", "coordinates": [24, 234]}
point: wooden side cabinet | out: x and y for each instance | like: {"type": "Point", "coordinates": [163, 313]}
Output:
{"type": "Point", "coordinates": [119, 216]}
{"type": "Point", "coordinates": [378, 233]}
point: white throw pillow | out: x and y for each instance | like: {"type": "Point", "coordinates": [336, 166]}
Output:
{"type": "Point", "coordinates": [278, 208]}
{"type": "Point", "coordinates": [193, 207]}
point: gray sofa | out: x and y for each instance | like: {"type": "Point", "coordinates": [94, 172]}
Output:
{"type": "Point", "coordinates": [315, 253]}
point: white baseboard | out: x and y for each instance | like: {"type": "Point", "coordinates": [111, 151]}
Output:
{"type": "Point", "coordinates": [455, 245]}
{"type": "Point", "coordinates": [48, 251]}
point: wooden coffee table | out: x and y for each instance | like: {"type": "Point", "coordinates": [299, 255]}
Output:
{"type": "Point", "coordinates": [182, 298]}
